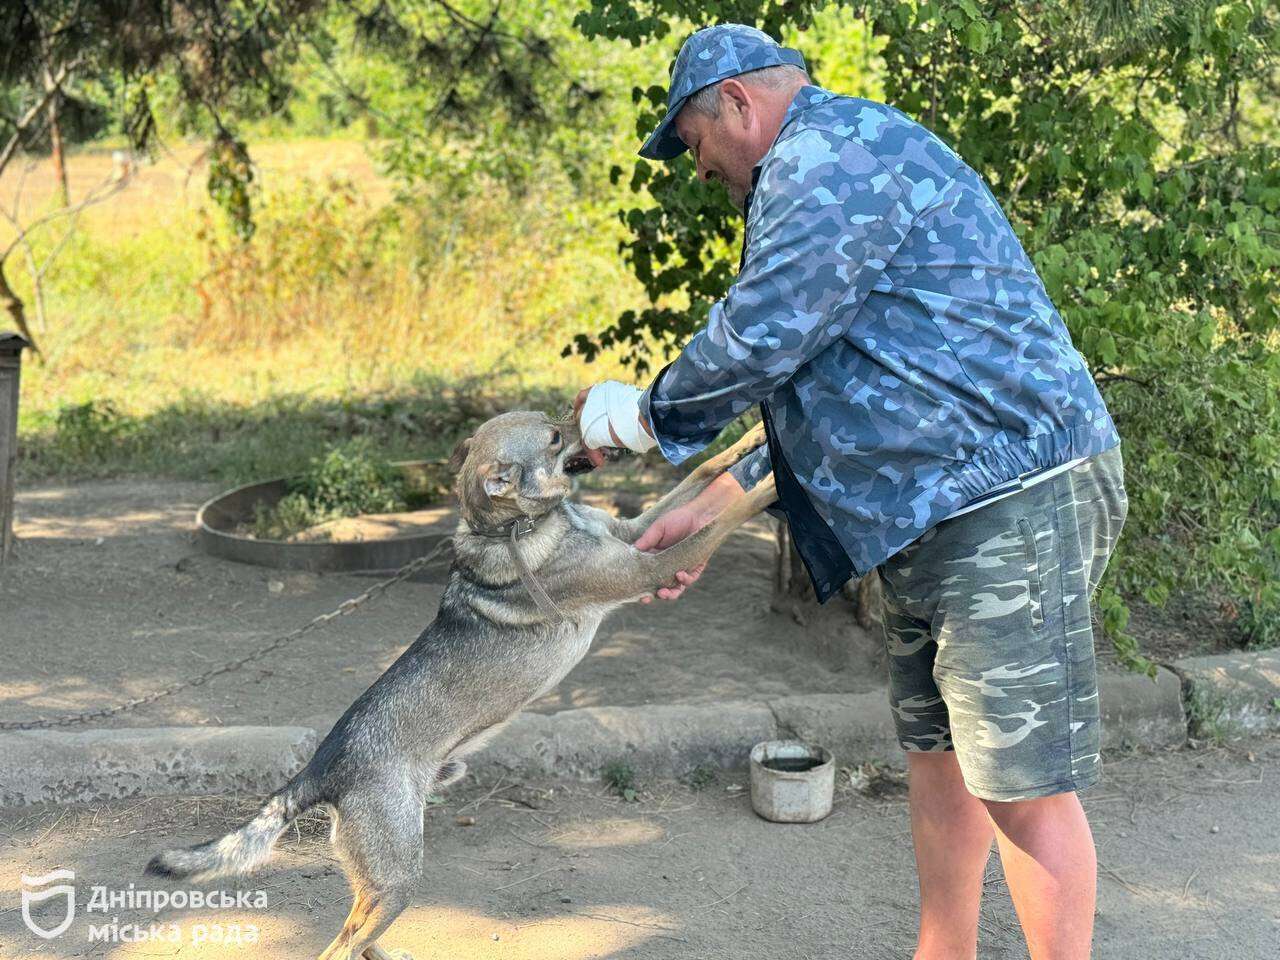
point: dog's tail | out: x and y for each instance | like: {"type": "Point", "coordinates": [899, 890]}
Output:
{"type": "Point", "coordinates": [244, 849]}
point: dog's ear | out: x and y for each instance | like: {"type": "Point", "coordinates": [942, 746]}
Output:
{"type": "Point", "coordinates": [499, 479]}
{"type": "Point", "coordinates": [459, 455]}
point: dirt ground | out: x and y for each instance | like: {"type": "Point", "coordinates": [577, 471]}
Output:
{"type": "Point", "coordinates": [1187, 841]}
{"type": "Point", "coordinates": [109, 598]}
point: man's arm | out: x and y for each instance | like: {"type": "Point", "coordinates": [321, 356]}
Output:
{"type": "Point", "coordinates": [674, 525]}
{"type": "Point", "coordinates": [827, 219]}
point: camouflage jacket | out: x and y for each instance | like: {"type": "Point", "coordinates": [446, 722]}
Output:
{"type": "Point", "coordinates": [903, 351]}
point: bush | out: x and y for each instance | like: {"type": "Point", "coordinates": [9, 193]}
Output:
{"type": "Point", "coordinates": [88, 431]}
{"type": "Point", "coordinates": [1133, 148]}
{"type": "Point", "coordinates": [346, 481]}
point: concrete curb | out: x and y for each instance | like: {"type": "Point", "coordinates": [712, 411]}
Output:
{"type": "Point", "coordinates": [673, 739]}
{"type": "Point", "coordinates": [1137, 712]}
{"type": "Point", "coordinates": [1232, 695]}
{"type": "Point", "coordinates": [662, 740]}
{"type": "Point", "coordinates": [43, 766]}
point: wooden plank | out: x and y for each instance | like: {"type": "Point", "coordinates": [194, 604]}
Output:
{"type": "Point", "coordinates": [10, 371]}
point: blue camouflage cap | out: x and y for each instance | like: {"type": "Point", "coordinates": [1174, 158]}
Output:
{"type": "Point", "coordinates": [709, 56]}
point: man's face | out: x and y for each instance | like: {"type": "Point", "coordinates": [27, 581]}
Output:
{"type": "Point", "coordinates": [727, 148]}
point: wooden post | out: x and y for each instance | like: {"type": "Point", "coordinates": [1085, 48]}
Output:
{"type": "Point", "coordinates": [11, 346]}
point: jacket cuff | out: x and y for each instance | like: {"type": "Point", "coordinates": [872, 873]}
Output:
{"type": "Point", "coordinates": [674, 450]}
{"type": "Point", "coordinates": [752, 468]}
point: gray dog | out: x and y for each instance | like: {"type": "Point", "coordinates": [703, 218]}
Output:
{"type": "Point", "coordinates": [533, 576]}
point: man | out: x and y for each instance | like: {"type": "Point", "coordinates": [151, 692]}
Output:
{"type": "Point", "coordinates": [928, 418]}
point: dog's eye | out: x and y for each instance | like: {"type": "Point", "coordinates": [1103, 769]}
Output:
{"type": "Point", "coordinates": [555, 438]}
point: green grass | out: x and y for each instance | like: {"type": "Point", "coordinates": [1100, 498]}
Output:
{"type": "Point", "coordinates": [232, 443]}
{"type": "Point", "coordinates": [348, 480]}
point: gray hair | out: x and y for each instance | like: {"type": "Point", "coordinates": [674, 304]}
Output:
{"type": "Point", "coordinates": [707, 100]}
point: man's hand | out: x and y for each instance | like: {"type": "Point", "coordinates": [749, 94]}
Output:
{"type": "Point", "coordinates": [594, 455]}
{"type": "Point", "coordinates": [674, 525]}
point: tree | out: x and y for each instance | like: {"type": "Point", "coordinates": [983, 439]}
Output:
{"type": "Point", "coordinates": [211, 65]}
{"type": "Point", "coordinates": [1132, 144]}
{"type": "Point", "coordinates": [219, 53]}
{"type": "Point", "coordinates": [446, 82]}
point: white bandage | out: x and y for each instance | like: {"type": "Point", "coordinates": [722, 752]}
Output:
{"type": "Point", "coordinates": [616, 405]}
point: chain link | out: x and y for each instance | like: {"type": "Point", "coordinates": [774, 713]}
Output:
{"type": "Point", "coordinates": [344, 608]}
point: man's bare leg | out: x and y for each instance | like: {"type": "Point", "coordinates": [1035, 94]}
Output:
{"type": "Point", "coordinates": [1051, 867]}
{"type": "Point", "coordinates": [952, 835]}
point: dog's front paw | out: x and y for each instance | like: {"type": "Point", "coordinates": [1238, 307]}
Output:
{"type": "Point", "coordinates": [755, 437]}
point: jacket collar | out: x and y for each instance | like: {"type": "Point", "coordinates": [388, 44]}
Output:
{"type": "Point", "coordinates": [807, 96]}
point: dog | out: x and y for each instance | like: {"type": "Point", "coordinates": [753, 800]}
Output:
{"type": "Point", "coordinates": [533, 576]}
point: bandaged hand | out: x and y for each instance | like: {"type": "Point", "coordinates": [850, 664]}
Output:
{"type": "Point", "coordinates": [610, 415]}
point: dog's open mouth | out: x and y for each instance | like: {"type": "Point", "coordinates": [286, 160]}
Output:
{"type": "Point", "coordinates": [578, 463]}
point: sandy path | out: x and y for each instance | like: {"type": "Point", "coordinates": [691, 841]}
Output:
{"type": "Point", "coordinates": [109, 599]}
{"type": "Point", "coordinates": [1187, 841]}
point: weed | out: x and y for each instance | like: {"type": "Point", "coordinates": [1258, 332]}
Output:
{"type": "Point", "coordinates": [621, 779]}
{"type": "Point", "coordinates": [196, 438]}
{"type": "Point", "coordinates": [700, 777]}
{"type": "Point", "coordinates": [352, 306]}
{"type": "Point", "coordinates": [1260, 624]}
{"type": "Point", "coordinates": [291, 514]}
{"type": "Point", "coordinates": [1209, 716]}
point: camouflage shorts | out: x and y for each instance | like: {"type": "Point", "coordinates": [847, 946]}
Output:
{"type": "Point", "coordinates": [989, 636]}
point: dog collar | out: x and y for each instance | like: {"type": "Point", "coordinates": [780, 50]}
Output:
{"type": "Point", "coordinates": [512, 529]}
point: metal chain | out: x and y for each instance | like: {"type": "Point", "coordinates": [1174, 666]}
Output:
{"type": "Point", "coordinates": [344, 608]}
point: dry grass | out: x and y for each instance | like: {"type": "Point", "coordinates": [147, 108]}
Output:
{"type": "Point", "coordinates": [153, 305]}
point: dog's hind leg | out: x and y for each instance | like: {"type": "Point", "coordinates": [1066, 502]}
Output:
{"type": "Point", "coordinates": [371, 914]}
{"type": "Point", "coordinates": [379, 840]}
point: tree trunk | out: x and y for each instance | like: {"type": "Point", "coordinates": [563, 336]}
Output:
{"type": "Point", "coordinates": [831, 629]}
{"type": "Point", "coordinates": [55, 140]}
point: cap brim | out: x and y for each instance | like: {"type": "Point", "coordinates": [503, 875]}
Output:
{"type": "Point", "coordinates": [664, 143]}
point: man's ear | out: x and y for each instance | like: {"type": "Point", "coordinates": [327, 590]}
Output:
{"type": "Point", "coordinates": [733, 94]}
{"type": "Point", "coordinates": [499, 479]}
{"type": "Point", "coordinates": [459, 455]}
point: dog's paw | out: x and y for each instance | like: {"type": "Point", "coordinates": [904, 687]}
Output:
{"type": "Point", "coordinates": [375, 952]}
{"type": "Point", "coordinates": [753, 438]}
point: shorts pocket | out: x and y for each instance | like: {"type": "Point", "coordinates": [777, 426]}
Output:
{"type": "Point", "coordinates": [1033, 572]}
